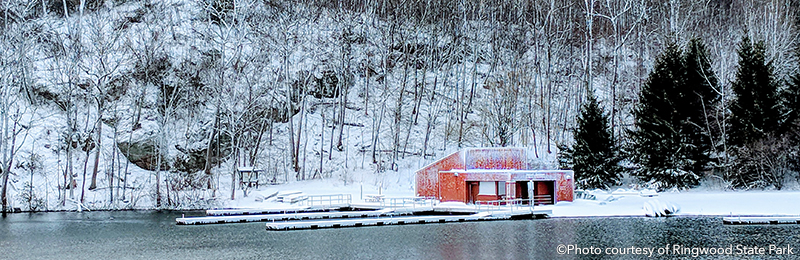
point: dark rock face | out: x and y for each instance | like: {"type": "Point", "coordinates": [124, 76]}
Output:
{"type": "Point", "coordinates": [193, 159]}
{"type": "Point", "coordinates": [143, 154]}
{"type": "Point", "coordinates": [324, 85]}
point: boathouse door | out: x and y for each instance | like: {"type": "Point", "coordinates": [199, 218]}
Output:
{"type": "Point", "coordinates": [544, 192]}
{"type": "Point", "coordinates": [473, 189]}
{"type": "Point", "coordinates": [523, 191]}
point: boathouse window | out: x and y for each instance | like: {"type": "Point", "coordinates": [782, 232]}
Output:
{"type": "Point", "coordinates": [487, 188]}
{"type": "Point", "coordinates": [501, 188]}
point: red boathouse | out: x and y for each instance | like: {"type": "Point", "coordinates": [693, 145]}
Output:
{"type": "Point", "coordinates": [487, 174]}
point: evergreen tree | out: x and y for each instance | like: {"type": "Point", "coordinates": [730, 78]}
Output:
{"type": "Point", "coordinates": [565, 161]}
{"type": "Point", "coordinates": [699, 98]}
{"type": "Point", "coordinates": [659, 145]}
{"type": "Point", "coordinates": [754, 122]}
{"type": "Point", "coordinates": [754, 110]}
{"type": "Point", "coordinates": [790, 124]}
{"type": "Point", "coordinates": [594, 157]}
{"type": "Point", "coordinates": [790, 98]}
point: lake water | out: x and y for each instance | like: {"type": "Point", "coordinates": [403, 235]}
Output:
{"type": "Point", "coordinates": [154, 235]}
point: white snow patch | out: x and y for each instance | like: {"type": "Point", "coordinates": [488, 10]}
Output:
{"type": "Point", "coordinates": [686, 203]}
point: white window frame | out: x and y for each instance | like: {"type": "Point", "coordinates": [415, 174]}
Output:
{"type": "Point", "coordinates": [487, 188]}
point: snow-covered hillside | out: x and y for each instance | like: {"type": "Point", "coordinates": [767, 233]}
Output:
{"type": "Point", "coordinates": [154, 104]}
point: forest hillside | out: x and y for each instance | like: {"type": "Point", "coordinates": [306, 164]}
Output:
{"type": "Point", "coordinates": [120, 104]}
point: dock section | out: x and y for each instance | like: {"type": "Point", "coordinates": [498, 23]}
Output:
{"type": "Point", "coordinates": [258, 211]}
{"type": "Point", "coordinates": [407, 220]}
{"type": "Point", "coordinates": [760, 220]}
{"type": "Point", "coordinates": [283, 217]}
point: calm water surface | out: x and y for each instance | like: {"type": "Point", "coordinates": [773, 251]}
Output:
{"type": "Point", "coordinates": [154, 235]}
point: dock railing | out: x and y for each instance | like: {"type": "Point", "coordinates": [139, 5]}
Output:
{"type": "Point", "coordinates": [505, 205]}
{"type": "Point", "coordinates": [329, 200]}
{"type": "Point", "coordinates": [407, 202]}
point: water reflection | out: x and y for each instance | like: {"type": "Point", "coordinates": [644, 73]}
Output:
{"type": "Point", "coordinates": [153, 235]}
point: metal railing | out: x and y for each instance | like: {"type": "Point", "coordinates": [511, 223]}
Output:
{"type": "Point", "coordinates": [328, 200]}
{"type": "Point", "coordinates": [504, 205]}
{"type": "Point", "coordinates": [408, 202]}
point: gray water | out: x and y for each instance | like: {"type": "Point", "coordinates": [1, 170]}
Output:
{"type": "Point", "coordinates": [154, 235]}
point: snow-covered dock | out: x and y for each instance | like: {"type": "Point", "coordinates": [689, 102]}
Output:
{"type": "Point", "coordinates": [284, 217]}
{"type": "Point", "coordinates": [313, 207]}
{"type": "Point", "coordinates": [760, 220]}
{"type": "Point", "coordinates": [259, 211]}
{"type": "Point", "coordinates": [338, 223]}
{"type": "Point", "coordinates": [310, 203]}
{"type": "Point", "coordinates": [258, 215]}
{"type": "Point", "coordinates": [331, 211]}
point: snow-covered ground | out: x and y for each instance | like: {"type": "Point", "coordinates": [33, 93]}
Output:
{"type": "Point", "coordinates": [703, 203]}
{"type": "Point", "coordinates": [315, 187]}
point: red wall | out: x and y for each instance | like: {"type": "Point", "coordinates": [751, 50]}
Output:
{"type": "Point", "coordinates": [428, 177]}
{"type": "Point", "coordinates": [453, 188]}
{"type": "Point", "coordinates": [565, 189]}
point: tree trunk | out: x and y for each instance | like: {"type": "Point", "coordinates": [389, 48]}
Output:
{"type": "Point", "coordinates": [70, 173]}
{"type": "Point", "coordinates": [429, 126]}
{"type": "Point", "coordinates": [398, 113]}
{"type": "Point", "coordinates": [212, 135]}
{"type": "Point", "coordinates": [4, 191]}
{"type": "Point", "coordinates": [260, 134]}
{"type": "Point", "coordinates": [111, 170]}
{"type": "Point", "coordinates": [321, 145]}
{"type": "Point", "coordinates": [83, 181]}
{"type": "Point", "coordinates": [158, 177]}
{"type": "Point", "coordinates": [344, 87]}
{"type": "Point", "coordinates": [8, 155]}
{"type": "Point", "coordinates": [333, 131]}
{"type": "Point", "coordinates": [93, 185]}
{"type": "Point", "coordinates": [236, 154]}
{"type": "Point", "coordinates": [124, 173]}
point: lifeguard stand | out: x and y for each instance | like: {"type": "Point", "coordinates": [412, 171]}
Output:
{"type": "Point", "coordinates": [248, 177]}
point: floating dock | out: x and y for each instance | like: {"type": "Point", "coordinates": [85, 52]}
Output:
{"type": "Point", "coordinates": [408, 220]}
{"type": "Point", "coordinates": [283, 217]}
{"type": "Point", "coordinates": [760, 220]}
{"type": "Point", "coordinates": [256, 211]}
{"type": "Point", "coordinates": [335, 211]}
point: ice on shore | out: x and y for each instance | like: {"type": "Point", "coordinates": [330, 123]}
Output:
{"type": "Point", "coordinates": [659, 208]}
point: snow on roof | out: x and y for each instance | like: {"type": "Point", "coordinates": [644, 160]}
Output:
{"type": "Point", "coordinates": [504, 171]}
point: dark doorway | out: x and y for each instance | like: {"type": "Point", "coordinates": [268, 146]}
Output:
{"type": "Point", "coordinates": [473, 188]}
{"type": "Point", "coordinates": [522, 191]}
{"type": "Point", "coordinates": [544, 192]}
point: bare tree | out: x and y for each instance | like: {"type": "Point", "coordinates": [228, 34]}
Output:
{"type": "Point", "coordinates": [103, 62]}
{"type": "Point", "coordinates": [15, 68]}
{"type": "Point", "coordinates": [624, 16]}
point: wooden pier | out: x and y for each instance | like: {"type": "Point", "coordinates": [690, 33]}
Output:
{"type": "Point", "coordinates": [760, 220]}
{"type": "Point", "coordinates": [407, 220]}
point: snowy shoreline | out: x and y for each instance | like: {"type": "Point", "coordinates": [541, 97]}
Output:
{"type": "Point", "coordinates": [617, 203]}
{"type": "Point", "coordinates": [691, 203]}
